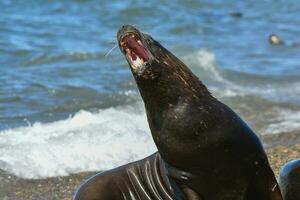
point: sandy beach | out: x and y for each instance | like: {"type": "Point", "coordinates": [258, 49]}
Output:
{"type": "Point", "coordinates": [280, 149]}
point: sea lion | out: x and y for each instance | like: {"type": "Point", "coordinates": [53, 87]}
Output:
{"type": "Point", "coordinates": [289, 180]}
{"type": "Point", "coordinates": [236, 14]}
{"type": "Point", "coordinates": [205, 150]}
{"type": "Point", "coordinates": [275, 39]}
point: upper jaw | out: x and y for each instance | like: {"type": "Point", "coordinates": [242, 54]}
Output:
{"type": "Point", "coordinates": [125, 31]}
{"type": "Point", "coordinates": [123, 36]}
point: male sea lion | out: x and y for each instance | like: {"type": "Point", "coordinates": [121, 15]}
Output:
{"type": "Point", "coordinates": [205, 150]}
{"type": "Point", "coordinates": [289, 180]}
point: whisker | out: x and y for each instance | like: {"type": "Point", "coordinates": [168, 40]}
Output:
{"type": "Point", "coordinates": [110, 50]}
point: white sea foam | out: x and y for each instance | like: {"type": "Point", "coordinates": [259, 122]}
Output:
{"type": "Point", "coordinates": [286, 121]}
{"type": "Point", "coordinates": [86, 142]}
{"type": "Point", "coordinates": [207, 61]}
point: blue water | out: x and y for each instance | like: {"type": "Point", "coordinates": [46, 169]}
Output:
{"type": "Point", "coordinates": [53, 63]}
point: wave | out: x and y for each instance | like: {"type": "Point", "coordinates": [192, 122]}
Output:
{"type": "Point", "coordinates": [205, 65]}
{"type": "Point", "coordinates": [206, 60]}
{"type": "Point", "coordinates": [286, 121]}
{"type": "Point", "coordinates": [85, 142]}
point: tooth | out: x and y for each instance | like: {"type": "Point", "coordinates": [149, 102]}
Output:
{"type": "Point", "coordinates": [134, 67]}
{"type": "Point", "coordinates": [138, 62]}
{"type": "Point", "coordinates": [140, 43]}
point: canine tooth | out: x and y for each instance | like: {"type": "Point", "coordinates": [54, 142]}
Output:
{"type": "Point", "coordinates": [138, 62]}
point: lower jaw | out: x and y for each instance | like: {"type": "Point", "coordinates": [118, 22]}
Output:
{"type": "Point", "coordinates": [138, 70]}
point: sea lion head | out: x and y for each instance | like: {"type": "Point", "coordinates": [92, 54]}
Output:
{"type": "Point", "coordinates": [153, 66]}
{"type": "Point", "coordinates": [275, 39]}
{"type": "Point", "coordinates": [163, 80]}
{"type": "Point", "coordinates": [136, 47]}
{"type": "Point", "coordinates": [146, 57]}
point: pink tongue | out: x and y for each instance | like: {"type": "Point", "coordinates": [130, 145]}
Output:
{"type": "Point", "coordinates": [136, 48]}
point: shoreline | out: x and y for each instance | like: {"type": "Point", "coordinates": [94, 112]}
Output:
{"type": "Point", "coordinates": [280, 148]}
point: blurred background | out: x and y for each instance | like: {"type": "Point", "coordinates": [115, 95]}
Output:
{"type": "Point", "coordinates": [69, 104]}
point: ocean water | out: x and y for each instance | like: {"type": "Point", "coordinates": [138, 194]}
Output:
{"type": "Point", "coordinates": [66, 106]}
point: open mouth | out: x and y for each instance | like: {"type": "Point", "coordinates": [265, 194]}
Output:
{"type": "Point", "coordinates": [135, 51]}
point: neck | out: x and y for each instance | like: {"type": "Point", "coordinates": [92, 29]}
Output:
{"type": "Point", "coordinates": [173, 83]}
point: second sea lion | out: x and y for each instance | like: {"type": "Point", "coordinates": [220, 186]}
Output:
{"type": "Point", "coordinates": [289, 180]}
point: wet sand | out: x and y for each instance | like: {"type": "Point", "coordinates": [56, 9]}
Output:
{"type": "Point", "coordinates": [57, 188]}
{"type": "Point", "coordinates": [280, 149]}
